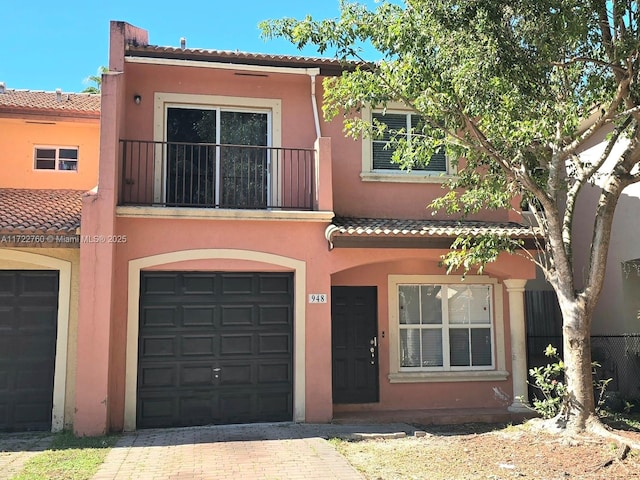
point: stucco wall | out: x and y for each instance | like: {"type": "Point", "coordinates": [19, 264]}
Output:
{"type": "Point", "coordinates": [430, 394]}
{"type": "Point", "coordinates": [298, 241]}
{"type": "Point", "coordinates": [613, 313]}
{"type": "Point", "coordinates": [19, 139]}
{"type": "Point", "coordinates": [351, 195]}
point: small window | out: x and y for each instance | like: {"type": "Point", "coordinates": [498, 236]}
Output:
{"type": "Point", "coordinates": [56, 158]}
{"type": "Point", "coordinates": [382, 152]}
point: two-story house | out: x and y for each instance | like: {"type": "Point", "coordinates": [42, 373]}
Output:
{"type": "Point", "coordinates": [49, 144]}
{"type": "Point", "coordinates": [246, 262]}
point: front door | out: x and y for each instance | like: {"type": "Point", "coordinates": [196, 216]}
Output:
{"type": "Point", "coordinates": [354, 344]}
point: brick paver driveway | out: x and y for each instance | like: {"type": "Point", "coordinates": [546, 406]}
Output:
{"type": "Point", "coordinates": [17, 448]}
{"type": "Point", "coordinates": [238, 452]}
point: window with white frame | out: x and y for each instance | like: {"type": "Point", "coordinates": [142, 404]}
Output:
{"type": "Point", "coordinates": [382, 151]}
{"type": "Point", "coordinates": [445, 327]}
{"type": "Point", "coordinates": [56, 158]}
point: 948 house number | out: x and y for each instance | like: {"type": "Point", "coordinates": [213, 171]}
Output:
{"type": "Point", "coordinates": [317, 298]}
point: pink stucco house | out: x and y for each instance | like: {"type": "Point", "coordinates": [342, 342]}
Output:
{"type": "Point", "coordinates": [246, 262]}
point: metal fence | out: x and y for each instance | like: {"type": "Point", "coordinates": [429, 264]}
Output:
{"type": "Point", "coordinates": [618, 356]}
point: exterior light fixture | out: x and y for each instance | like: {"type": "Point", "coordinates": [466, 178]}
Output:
{"type": "Point", "coordinates": [137, 99]}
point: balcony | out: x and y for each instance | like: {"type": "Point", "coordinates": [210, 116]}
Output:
{"type": "Point", "coordinates": [176, 174]}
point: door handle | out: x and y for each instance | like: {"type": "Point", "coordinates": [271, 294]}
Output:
{"type": "Point", "coordinates": [374, 344]}
{"type": "Point", "coordinates": [216, 372]}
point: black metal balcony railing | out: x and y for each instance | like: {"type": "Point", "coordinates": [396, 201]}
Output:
{"type": "Point", "coordinates": [218, 176]}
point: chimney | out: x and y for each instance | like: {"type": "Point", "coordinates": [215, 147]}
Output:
{"type": "Point", "coordinates": [59, 94]}
{"type": "Point", "coordinates": [183, 43]}
{"type": "Point", "coordinates": [2, 87]}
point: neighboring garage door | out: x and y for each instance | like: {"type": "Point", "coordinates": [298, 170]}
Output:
{"type": "Point", "coordinates": [215, 348]}
{"type": "Point", "coordinates": [28, 326]}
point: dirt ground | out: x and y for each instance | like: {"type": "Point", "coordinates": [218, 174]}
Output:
{"type": "Point", "coordinates": [472, 452]}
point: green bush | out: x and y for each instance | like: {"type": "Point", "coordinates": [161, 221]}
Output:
{"type": "Point", "coordinates": [549, 380]}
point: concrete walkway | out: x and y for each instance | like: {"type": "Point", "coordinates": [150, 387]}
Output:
{"type": "Point", "coordinates": [236, 452]}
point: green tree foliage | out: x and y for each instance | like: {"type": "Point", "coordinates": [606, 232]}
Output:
{"type": "Point", "coordinates": [515, 89]}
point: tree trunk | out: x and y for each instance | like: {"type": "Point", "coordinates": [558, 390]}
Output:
{"type": "Point", "coordinates": [579, 407]}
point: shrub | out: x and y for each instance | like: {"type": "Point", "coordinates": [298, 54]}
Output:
{"type": "Point", "coordinates": [549, 380]}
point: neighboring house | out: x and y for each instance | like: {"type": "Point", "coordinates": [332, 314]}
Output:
{"type": "Point", "coordinates": [618, 311]}
{"type": "Point", "coordinates": [616, 320]}
{"type": "Point", "coordinates": [49, 144]}
{"type": "Point", "coordinates": [615, 341]}
{"type": "Point", "coordinates": [249, 263]}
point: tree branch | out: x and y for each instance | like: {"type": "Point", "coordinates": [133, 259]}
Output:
{"type": "Point", "coordinates": [621, 92]}
{"type": "Point", "coordinates": [605, 29]}
{"type": "Point", "coordinates": [616, 182]}
{"type": "Point", "coordinates": [595, 61]}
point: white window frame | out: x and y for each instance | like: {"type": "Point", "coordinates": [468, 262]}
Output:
{"type": "Point", "coordinates": [398, 374]}
{"type": "Point", "coordinates": [164, 101]}
{"type": "Point", "coordinates": [369, 174]}
{"type": "Point", "coordinates": [57, 158]}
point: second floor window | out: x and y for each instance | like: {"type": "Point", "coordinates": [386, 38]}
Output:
{"type": "Point", "coordinates": [56, 158]}
{"type": "Point", "coordinates": [382, 151]}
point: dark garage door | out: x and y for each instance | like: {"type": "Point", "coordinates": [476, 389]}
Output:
{"type": "Point", "coordinates": [28, 326]}
{"type": "Point", "coordinates": [215, 348]}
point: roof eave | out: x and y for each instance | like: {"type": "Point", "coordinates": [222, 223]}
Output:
{"type": "Point", "coordinates": [21, 112]}
{"type": "Point", "coordinates": [328, 67]}
{"type": "Point", "coordinates": [339, 240]}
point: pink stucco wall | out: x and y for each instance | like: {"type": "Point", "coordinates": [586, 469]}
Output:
{"type": "Point", "coordinates": [424, 395]}
{"type": "Point", "coordinates": [297, 240]}
{"type": "Point", "coordinates": [303, 241]}
{"type": "Point", "coordinates": [351, 196]}
{"type": "Point", "coordinates": [105, 291]}
{"type": "Point", "coordinates": [97, 274]}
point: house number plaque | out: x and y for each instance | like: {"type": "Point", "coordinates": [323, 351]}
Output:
{"type": "Point", "coordinates": [317, 298]}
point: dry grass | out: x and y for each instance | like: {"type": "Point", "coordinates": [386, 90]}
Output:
{"type": "Point", "coordinates": [501, 453]}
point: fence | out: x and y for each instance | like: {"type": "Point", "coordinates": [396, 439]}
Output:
{"type": "Point", "coordinates": [618, 356]}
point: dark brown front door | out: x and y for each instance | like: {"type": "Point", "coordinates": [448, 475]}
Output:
{"type": "Point", "coordinates": [354, 348]}
{"type": "Point", "coordinates": [28, 332]}
{"type": "Point", "coordinates": [215, 348]}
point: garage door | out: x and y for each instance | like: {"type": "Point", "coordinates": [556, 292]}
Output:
{"type": "Point", "coordinates": [28, 325]}
{"type": "Point", "coordinates": [215, 348]}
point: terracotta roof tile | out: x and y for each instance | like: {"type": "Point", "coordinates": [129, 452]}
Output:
{"type": "Point", "coordinates": [381, 227]}
{"type": "Point", "coordinates": [40, 211]}
{"type": "Point", "coordinates": [36, 101]}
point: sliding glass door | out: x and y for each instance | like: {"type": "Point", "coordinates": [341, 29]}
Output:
{"type": "Point", "coordinates": [217, 157]}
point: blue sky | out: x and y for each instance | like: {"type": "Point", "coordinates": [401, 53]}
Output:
{"type": "Point", "coordinates": [46, 45]}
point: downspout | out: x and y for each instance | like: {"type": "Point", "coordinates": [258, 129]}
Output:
{"type": "Point", "coordinates": [313, 72]}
